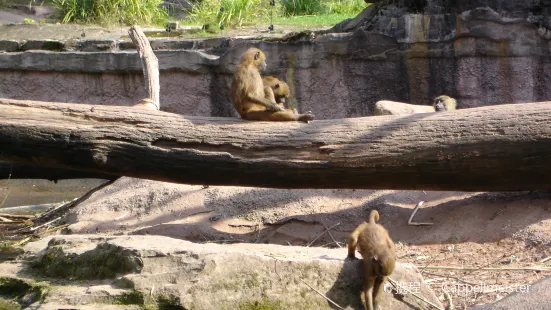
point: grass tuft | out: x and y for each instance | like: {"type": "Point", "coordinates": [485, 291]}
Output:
{"type": "Point", "coordinates": [128, 12]}
{"type": "Point", "coordinates": [348, 7]}
{"type": "Point", "coordinates": [231, 13]}
{"type": "Point", "coordinates": [302, 7]}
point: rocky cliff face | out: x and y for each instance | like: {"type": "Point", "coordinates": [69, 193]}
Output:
{"type": "Point", "coordinates": [480, 52]}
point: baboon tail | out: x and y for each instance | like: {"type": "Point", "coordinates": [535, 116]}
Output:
{"type": "Point", "coordinates": [373, 217]}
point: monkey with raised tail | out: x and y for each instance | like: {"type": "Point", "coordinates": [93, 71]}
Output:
{"type": "Point", "coordinates": [379, 256]}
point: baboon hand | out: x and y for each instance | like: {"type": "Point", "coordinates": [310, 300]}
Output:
{"type": "Point", "coordinates": [273, 107]}
{"type": "Point", "coordinates": [351, 259]}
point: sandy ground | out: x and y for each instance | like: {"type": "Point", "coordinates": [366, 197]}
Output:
{"type": "Point", "coordinates": [470, 229]}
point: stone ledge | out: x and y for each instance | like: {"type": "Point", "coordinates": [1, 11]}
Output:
{"type": "Point", "coordinates": [191, 275]}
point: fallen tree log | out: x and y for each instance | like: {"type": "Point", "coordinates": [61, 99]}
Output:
{"type": "Point", "coordinates": [497, 148]}
{"type": "Point", "coordinates": [150, 66]}
{"type": "Point", "coordinates": [25, 171]}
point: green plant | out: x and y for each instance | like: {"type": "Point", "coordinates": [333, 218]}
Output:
{"type": "Point", "coordinates": [302, 7]}
{"type": "Point", "coordinates": [230, 13]}
{"type": "Point", "coordinates": [113, 11]}
{"type": "Point", "coordinates": [349, 7]}
{"type": "Point", "coordinates": [29, 21]}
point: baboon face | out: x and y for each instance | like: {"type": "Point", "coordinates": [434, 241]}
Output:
{"type": "Point", "coordinates": [444, 103]}
{"type": "Point", "coordinates": [256, 57]}
{"type": "Point", "coordinates": [439, 105]}
{"type": "Point", "coordinates": [281, 91]}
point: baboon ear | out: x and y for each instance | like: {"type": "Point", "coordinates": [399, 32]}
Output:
{"type": "Point", "coordinates": [276, 86]}
{"type": "Point", "coordinates": [256, 55]}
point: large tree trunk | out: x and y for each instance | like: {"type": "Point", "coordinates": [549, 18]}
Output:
{"type": "Point", "coordinates": [25, 171]}
{"type": "Point", "coordinates": [500, 148]}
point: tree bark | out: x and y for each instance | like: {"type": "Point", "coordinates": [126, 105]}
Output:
{"type": "Point", "coordinates": [496, 148]}
{"type": "Point", "coordinates": [150, 64]}
{"type": "Point", "coordinates": [25, 171]}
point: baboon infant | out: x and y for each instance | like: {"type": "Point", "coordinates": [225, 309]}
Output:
{"type": "Point", "coordinates": [379, 256]}
{"type": "Point", "coordinates": [279, 88]}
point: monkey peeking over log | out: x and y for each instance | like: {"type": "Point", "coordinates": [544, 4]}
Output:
{"type": "Point", "coordinates": [379, 256]}
{"type": "Point", "coordinates": [444, 103]}
{"type": "Point", "coordinates": [252, 100]}
{"type": "Point", "coordinates": [441, 103]}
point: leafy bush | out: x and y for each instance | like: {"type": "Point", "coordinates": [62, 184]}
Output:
{"type": "Point", "coordinates": [349, 7]}
{"type": "Point", "coordinates": [128, 12]}
{"type": "Point", "coordinates": [231, 13]}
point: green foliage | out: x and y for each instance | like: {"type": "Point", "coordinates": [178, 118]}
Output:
{"type": "Point", "coordinates": [230, 13]}
{"type": "Point", "coordinates": [349, 7]}
{"type": "Point", "coordinates": [305, 22]}
{"type": "Point", "coordinates": [143, 12]}
{"type": "Point", "coordinates": [235, 13]}
{"type": "Point", "coordinates": [9, 305]}
{"type": "Point", "coordinates": [302, 7]}
{"type": "Point", "coordinates": [318, 7]}
{"type": "Point", "coordinates": [29, 21]}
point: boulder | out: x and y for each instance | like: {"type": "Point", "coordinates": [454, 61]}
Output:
{"type": "Point", "coordinates": [161, 272]}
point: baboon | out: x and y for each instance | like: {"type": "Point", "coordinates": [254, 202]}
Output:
{"type": "Point", "coordinates": [279, 88]}
{"type": "Point", "coordinates": [378, 254]}
{"type": "Point", "coordinates": [444, 103]}
{"type": "Point", "coordinates": [249, 97]}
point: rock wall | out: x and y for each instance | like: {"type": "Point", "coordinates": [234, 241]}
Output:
{"type": "Point", "coordinates": [480, 52]}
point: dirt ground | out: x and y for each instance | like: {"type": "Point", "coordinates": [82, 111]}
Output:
{"type": "Point", "coordinates": [480, 230]}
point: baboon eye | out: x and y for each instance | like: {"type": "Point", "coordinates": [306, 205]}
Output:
{"type": "Point", "coordinates": [276, 86]}
{"type": "Point", "coordinates": [256, 56]}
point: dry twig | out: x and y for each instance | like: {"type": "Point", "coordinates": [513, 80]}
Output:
{"type": "Point", "coordinates": [396, 285]}
{"type": "Point", "coordinates": [322, 295]}
{"type": "Point", "coordinates": [326, 230]}
{"type": "Point", "coordinates": [330, 234]}
{"type": "Point", "coordinates": [489, 268]}
{"type": "Point", "coordinates": [410, 221]}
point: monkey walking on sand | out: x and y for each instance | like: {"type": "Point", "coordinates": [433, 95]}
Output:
{"type": "Point", "coordinates": [379, 256]}
{"type": "Point", "coordinates": [251, 99]}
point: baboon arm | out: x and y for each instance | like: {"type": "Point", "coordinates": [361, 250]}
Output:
{"type": "Point", "coordinates": [353, 242]}
{"type": "Point", "coordinates": [263, 101]}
